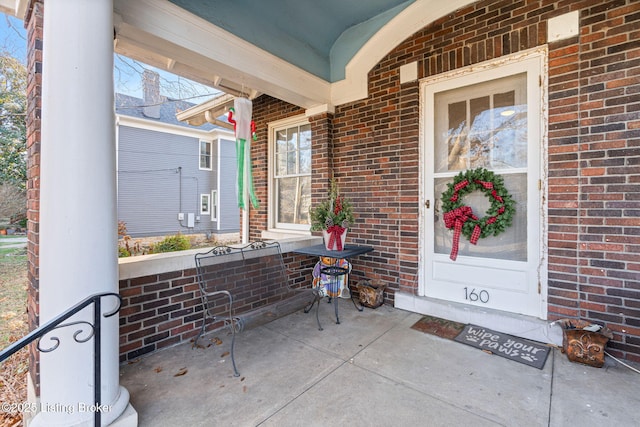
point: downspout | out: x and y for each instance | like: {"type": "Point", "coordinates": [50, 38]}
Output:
{"type": "Point", "coordinates": [180, 189]}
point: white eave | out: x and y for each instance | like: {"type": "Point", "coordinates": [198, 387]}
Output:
{"type": "Point", "coordinates": [208, 112]}
{"type": "Point", "coordinates": [15, 8]}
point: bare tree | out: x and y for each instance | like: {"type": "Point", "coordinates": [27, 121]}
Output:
{"type": "Point", "coordinates": [13, 106]}
{"type": "Point", "coordinates": [13, 201]}
{"type": "Point", "coordinates": [128, 78]}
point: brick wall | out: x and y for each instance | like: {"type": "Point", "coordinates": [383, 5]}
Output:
{"type": "Point", "coordinates": [33, 23]}
{"type": "Point", "coordinates": [371, 146]}
{"type": "Point", "coordinates": [321, 153]}
{"type": "Point", "coordinates": [594, 168]}
{"type": "Point", "coordinates": [593, 151]}
{"type": "Point", "coordinates": [161, 310]}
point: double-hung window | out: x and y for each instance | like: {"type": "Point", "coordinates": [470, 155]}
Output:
{"type": "Point", "coordinates": [214, 205]}
{"type": "Point", "coordinates": [291, 174]}
{"type": "Point", "coordinates": [205, 155]}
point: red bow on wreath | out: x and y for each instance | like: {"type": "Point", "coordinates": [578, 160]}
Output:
{"type": "Point", "coordinates": [335, 236]}
{"type": "Point", "coordinates": [455, 219]}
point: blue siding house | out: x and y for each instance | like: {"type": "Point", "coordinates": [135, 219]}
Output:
{"type": "Point", "coordinates": [172, 177]}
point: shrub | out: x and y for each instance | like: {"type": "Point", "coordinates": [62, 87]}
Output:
{"type": "Point", "coordinates": [171, 244]}
{"type": "Point", "coordinates": [123, 252]}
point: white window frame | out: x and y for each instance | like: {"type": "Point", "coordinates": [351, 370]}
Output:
{"type": "Point", "coordinates": [204, 197]}
{"type": "Point", "coordinates": [272, 213]}
{"type": "Point", "coordinates": [201, 156]}
{"type": "Point", "coordinates": [213, 206]}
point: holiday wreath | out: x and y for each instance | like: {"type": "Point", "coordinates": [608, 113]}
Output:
{"type": "Point", "coordinates": [462, 220]}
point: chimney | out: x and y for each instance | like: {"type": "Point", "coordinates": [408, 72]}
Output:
{"type": "Point", "coordinates": [151, 92]}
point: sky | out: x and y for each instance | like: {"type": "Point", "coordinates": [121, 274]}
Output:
{"type": "Point", "coordinates": [13, 37]}
{"type": "Point", "coordinates": [127, 73]}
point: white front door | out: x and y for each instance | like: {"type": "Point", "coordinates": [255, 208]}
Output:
{"type": "Point", "coordinates": [486, 117]}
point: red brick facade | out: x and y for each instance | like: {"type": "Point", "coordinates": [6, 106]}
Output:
{"type": "Point", "coordinates": [372, 147]}
{"type": "Point", "coordinates": [594, 173]}
{"type": "Point", "coordinates": [593, 152]}
{"type": "Point", "coordinates": [33, 23]}
{"type": "Point", "coordinates": [161, 310]}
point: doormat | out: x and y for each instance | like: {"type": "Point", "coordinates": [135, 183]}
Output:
{"type": "Point", "coordinates": [507, 346]}
{"type": "Point", "coordinates": [440, 327]}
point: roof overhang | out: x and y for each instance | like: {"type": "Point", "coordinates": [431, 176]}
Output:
{"type": "Point", "coordinates": [208, 112]}
{"type": "Point", "coordinates": [16, 8]}
{"type": "Point", "coordinates": [163, 35]}
{"type": "Point", "coordinates": [166, 36]}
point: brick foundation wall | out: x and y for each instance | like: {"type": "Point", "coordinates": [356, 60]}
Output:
{"type": "Point", "coordinates": [162, 310]}
{"type": "Point", "coordinates": [593, 151]}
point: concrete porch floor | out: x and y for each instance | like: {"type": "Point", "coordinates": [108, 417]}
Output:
{"type": "Point", "coordinates": [371, 370]}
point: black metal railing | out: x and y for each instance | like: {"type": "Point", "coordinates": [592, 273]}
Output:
{"type": "Point", "coordinates": [78, 336]}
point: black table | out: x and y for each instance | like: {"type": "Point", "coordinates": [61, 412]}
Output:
{"type": "Point", "coordinates": [349, 251]}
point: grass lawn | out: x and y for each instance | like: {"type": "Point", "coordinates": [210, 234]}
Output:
{"type": "Point", "coordinates": [13, 326]}
{"type": "Point", "coordinates": [13, 293]}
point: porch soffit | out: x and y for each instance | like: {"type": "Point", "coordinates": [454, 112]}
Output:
{"type": "Point", "coordinates": [165, 35]}
{"type": "Point", "coordinates": [209, 112]}
{"type": "Point", "coordinates": [15, 8]}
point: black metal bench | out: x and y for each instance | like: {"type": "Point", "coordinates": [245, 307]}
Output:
{"type": "Point", "coordinates": [227, 270]}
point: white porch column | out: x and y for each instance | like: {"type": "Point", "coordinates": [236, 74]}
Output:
{"type": "Point", "coordinates": [78, 225]}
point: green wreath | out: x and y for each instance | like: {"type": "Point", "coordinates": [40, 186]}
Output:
{"type": "Point", "coordinates": [462, 220]}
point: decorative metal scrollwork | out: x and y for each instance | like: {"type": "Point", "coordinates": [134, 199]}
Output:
{"type": "Point", "coordinates": [90, 331]}
{"type": "Point", "coordinates": [84, 333]}
{"type": "Point", "coordinates": [258, 245]}
{"type": "Point", "coordinates": [220, 250]}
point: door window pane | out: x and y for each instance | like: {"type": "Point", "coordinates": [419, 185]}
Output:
{"type": "Point", "coordinates": [483, 125]}
{"type": "Point", "coordinates": [511, 244]}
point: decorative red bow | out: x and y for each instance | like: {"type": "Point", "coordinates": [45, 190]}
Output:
{"type": "Point", "coordinates": [455, 219]}
{"type": "Point", "coordinates": [335, 236]}
{"type": "Point", "coordinates": [489, 186]}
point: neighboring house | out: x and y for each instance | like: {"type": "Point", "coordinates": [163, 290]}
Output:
{"type": "Point", "coordinates": [172, 177]}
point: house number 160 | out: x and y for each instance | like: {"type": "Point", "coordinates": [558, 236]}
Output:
{"type": "Point", "coordinates": [482, 296]}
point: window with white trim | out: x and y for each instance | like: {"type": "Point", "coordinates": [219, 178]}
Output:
{"type": "Point", "coordinates": [205, 205]}
{"type": "Point", "coordinates": [214, 205]}
{"type": "Point", "coordinates": [290, 186]}
{"type": "Point", "coordinates": [205, 155]}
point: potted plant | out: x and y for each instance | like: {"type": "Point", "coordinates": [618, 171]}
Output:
{"type": "Point", "coordinates": [333, 216]}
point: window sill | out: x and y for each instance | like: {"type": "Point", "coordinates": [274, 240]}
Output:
{"type": "Point", "coordinates": [275, 234]}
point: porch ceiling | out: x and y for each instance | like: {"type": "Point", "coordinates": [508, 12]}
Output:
{"type": "Point", "coordinates": [310, 34]}
{"type": "Point", "coordinates": [309, 53]}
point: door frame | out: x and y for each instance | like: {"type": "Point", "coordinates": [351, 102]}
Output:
{"type": "Point", "coordinates": [538, 58]}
